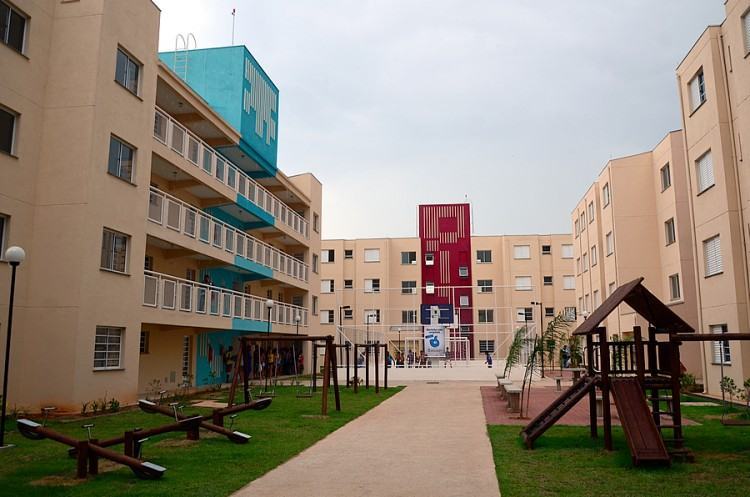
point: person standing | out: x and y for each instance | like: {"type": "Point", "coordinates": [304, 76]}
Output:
{"type": "Point", "coordinates": [488, 359]}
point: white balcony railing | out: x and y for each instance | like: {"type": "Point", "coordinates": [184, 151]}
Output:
{"type": "Point", "coordinates": [168, 292]}
{"type": "Point", "coordinates": [174, 214]}
{"type": "Point", "coordinates": [196, 151]}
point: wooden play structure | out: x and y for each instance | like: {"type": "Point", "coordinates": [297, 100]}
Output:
{"type": "Point", "coordinates": [643, 375]}
{"type": "Point", "coordinates": [370, 348]}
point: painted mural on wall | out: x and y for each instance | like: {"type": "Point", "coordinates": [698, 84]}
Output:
{"type": "Point", "coordinates": [216, 357]}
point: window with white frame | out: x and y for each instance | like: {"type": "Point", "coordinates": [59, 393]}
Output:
{"type": "Point", "coordinates": [713, 263]}
{"type": "Point", "coordinates": [569, 282]}
{"type": "Point", "coordinates": [12, 27]}
{"type": "Point", "coordinates": [3, 234]}
{"type": "Point", "coordinates": [546, 249]}
{"type": "Point", "coordinates": [722, 353]}
{"type": "Point", "coordinates": [408, 257]}
{"type": "Point", "coordinates": [697, 90]}
{"type": "Point", "coordinates": [127, 71]}
{"type": "Point", "coordinates": [486, 346]}
{"type": "Point", "coordinates": [585, 260]}
{"type": "Point", "coordinates": [429, 259]}
{"type": "Point", "coordinates": [521, 252]}
{"type": "Point", "coordinates": [429, 287]}
{"type": "Point", "coordinates": [611, 287]}
{"type": "Point", "coordinates": [372, 255]}
{"type": "Point", "coordinates": [121, 160]}
{"type": "Point", "coordinates": [463, 271]}
{"type": "Point", "coordinates": [524, 314]}
{"type": "Point", "coordinates": [596, 298]}
{"type": "Point", "coordinates": [674, 287]}
{"type": "Point", "coordinates": [143, 347]}
{"type": "Point", "coordinates": [326, 316]}
{"type": "Point", "coordinates": [578, 265]}
{"type": "Point", "coordinates": [484, 256]}
{"type": "Point", "coordinates": [409, 317]}
{"type": "Point", "coordinates": [485, 286]}
{"type": "Point", "coordinates": [486, 315]}
{"type": "Point", "coordinates": [372, 316]}
{"type": "Point", "coordinates": [327, 255]}
{"type": "Point", "coordinates": [570, 313]}
{"type": "Point", "coordinates": [605, 195]}
{"type": "Point", "coordinates": [577, 227]}
{"type": "Point", "coordinates": [8, 124]}
{"type": "Point", "coordinates": [587, 302]}
{"type": "Point", "coordinates": [187, 347]}
{"type": "Point", "coordinates": [594, 257]}
{"type": "Point", "coordinates": [591, 212]}
{"type": "Point", "coordinates": [409, 287]}
{"type": "Point", "coordinates": [704, 172]}
{"type": "Point", "coordinates": [567, 251]}
{"type": "Point", "coordinates": [326, 286]}
{"type": "Point", "coordinates": [315, 263]}
{"type": "Point", "coordinates": [108, 347]}
{"type": "Point", "coordinates": [348, 254]}
{"type": "Point", "coordinates": [315, 305]}
{"type": "Point", "coordinates": [669, 233]}
{"type": "Point", "coordinates": [610, 239]}
{"type": "Point", "coordinates": [581, 308]}
{"type": "Point", "coordinates": [114, 251]}
{"type": "Point", "coordinates": [348, 284]}
{"type": "Point", "coordinates": [349, 313]}
{"type": "Point", "coordinates": [583, 221]}
{"type": "Point", "coordinates": [746, 31]}
{"type": "Point", "coordinates": [463, 301]}
{"type": "Point", "coordinates": [549, 312]}
{"type": "Point", "coordinates": [547, 280]}
{"type": "Point", "coordinates": [523, 283]}
{"type": "Point", "coordinates": [666, 177]}
{"type": "Point", "coordinates": [372, 285]}
{"type": "Point", "coordinates": [316, 223]}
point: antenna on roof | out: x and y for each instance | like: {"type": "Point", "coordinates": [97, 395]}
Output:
{"type": "Point", "coordinates": [234, 11]}
{"type": "Point", "coordinates": [181, 52]}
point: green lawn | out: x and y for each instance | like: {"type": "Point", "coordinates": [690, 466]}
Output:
{"type": "Point", "coordinates": [212, 466]}
{"type": "Point", "coordinates": [566, 462]}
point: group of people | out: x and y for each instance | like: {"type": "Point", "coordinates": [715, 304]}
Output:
{"type": "Point", "coordinates": [268, 362]}
{"type": "Point", "coordinates": [410, 360]}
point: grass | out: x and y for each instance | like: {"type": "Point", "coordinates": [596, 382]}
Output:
{"type": "Point", "coordinates": [566, 462]}
{"type": "Point", "coordinates": [212, 466]}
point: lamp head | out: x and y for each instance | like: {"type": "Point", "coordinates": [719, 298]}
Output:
{"type": "Point", "coordinates": [297, 318]}
{"type": "Point", "coordinates": [15, 255]}
{"type": "Point", "coordinates": [269, 304]}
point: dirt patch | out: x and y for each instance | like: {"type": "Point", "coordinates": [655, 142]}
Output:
{"type": "Point", "coordinates": [314, 416]}
{"type": "Point", "coordinates": [176, 442]}
{"type": "Point", "coordinates": [57, 481]}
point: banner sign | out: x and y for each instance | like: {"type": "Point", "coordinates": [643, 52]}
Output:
{"type": "Point", "coordinates": [434, 341]}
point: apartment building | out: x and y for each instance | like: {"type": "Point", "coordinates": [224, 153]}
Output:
{"type": "Point", "coordinates": [714, 87]}
{"type": "Point", "coordinates": [146, 192]}
{"type": "Point", "coordinates": [376, 288]}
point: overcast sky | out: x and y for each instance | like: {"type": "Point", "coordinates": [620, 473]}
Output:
{"type": "Point", "coordinates": [513, 104]}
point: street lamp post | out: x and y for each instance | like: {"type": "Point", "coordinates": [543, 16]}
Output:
{"type": "Point", "coordinates": [541, 328]}
{"type": "Point", "coordinates": [269, 306]}
{"type": "Point", "coordinates": [14, 256]}
{"type": "Point", "coordinates": [342, 308]}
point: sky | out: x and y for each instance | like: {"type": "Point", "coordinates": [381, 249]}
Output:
{"type": "Point", "coordinates": [514, 105]}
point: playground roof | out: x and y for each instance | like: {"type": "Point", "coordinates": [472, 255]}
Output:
{"type": "Point", "coordinates": [645, 303]}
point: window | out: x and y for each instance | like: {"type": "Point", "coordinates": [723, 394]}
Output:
{"type": "Point", "coordinates": [7, 131]}
{"type": "Point", "coordinates": [669, 234]}
{"type": "Point", "coordinates": [486, 346]}
{"type": "Point", "coordinates": [524, 314]}
{"type": "Point", "coordinates": [704, 171]}
{"type": "Point", "coordinates": [348, 313]}
{"type": "Point", "coordinates": [409, 317]}
{"type": "Point", "coordinates": [114, 251]}
{"type": "Point", "coordinates": [348, 254]}
{"type": "Point", "coordinates": [348, 284]}
{"type": "Point", "coordinates": [297, 300]}
{"type": "Point", "coordinates": [144, 342]}
{"type": "Point", "coordinates": [121, 159]}
{"type": "Point", "coordinates": [484, 256]}
{"type": "Point", "coordinates": [12, 27]}
{"type": "Point", "coordinates": [591, 212]}
{"type": "Point", "coordinates": [463, 272]}
{"type": "Point", "coordinates": [523, 283]}
{"type": "Point", "coordinates": [372, 255]}
{"type": "Point", "coordinates": [746, 30]}
{"type": "Point", "coordinates": [577, 225]}
{"type": "Point", "coordinates": [605, 195]}
{"type": "Point", "coordinates": [408, 257]}
{"type": "Point", "coordinates": [578, 265]}
{"type": "Point", "coordinates": [408, 287]}
{"type": "Point", "coordinates": [316, 223]}
{"type": "Point", "coordinates": [567, 251]}
{"type": "Point", "coordinates": [326, 316]}
{"type": "Point", "coordinates": [327, 255]}
{"type": "Point", "coordinates": [585, 262]}
{"type": "Point", "coordinates": [666, 177]}
{"type": "Point", "coordinates": [486, 315]}
{"type": "Point", "coordinates": [596, 299]}
{"type": "Point", "coordinates": [108, 347]}
{"type": "Point", "coordinates": [712, 256]}
{"type": "Point", "coordinates": [315, 263]}
{"type": "Point", "coordinates": [186, 349]}
{"type": "Point", "coordinates": [148, 263]}
{"type": "Point", "coordinates": [521, 252]}
{"type": "Point", "coordinates": [463, 301]}
{"type": "Point", "coordinates": [429, 259]}
{"type": "Point", "coordinates": [697, 90]}
{"type": "Point", "coordinates": [315, 305]}
{"type": "Point", "coordinates": [372, 285]}
{"type": "Point", "coordinates": [326, 286]}
{"type": "Point", "coordinates": [547, 281]}
{"type": "Point", "coordinates": [674, 287]}
{"type": "Point", "coordinates": [546, 249]}
{"type": "Point", "coordinates": [594, 257]}
{"type": "Point", "coordinates": [549, 312]}
{"type": "Point", "coordinates": [586, 302]}
{"type": "Point", "coordinates": [372, 316]}
{"type": "Point", "coordinates": [722, 353]}
{"type": "Point", "coordinates": [610, 243]}
{"type": "Point", "coordinates": [611, 287]}
{"type": "Point", "coordinates": [485, 286]}
{"type": "Point", "coordinates": [127, 71]}
{"type": "Point", "coordinates": [429, 287]}
{"type": "Point", "coordinates": [583, 221]}
{"type": "Point", "coordinates": [570, 314]}
{"type": "Point", "coordinates": [569, 282]}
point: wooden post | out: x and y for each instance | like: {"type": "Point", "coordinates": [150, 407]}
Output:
{"type": "Point", "coordinates": [335, 374]}
{"type": "Point", "coordinates": [607, 421]}
{"type": "Point", "coordinates": [675, 381]}
{"type": "Point", "coordinates": [640, 362]}
{"type": "Point", "coordinates": [82, 459]}
{"type": "Point", "coordinates": [653, 368]}
{"type": "Point", "coordinates": [592, 393]}
{"type": "Point", "coordinates": [367, 366]}
{"type": "Point", "coordinates": [356, 372]}
{"type": "Point", "coordinates": [314, 367]}
{"type": "Point", "coordinates": [385, 370]}
{"type": "Point", "coordinates": [217, 418]}
{"type": "Point", "coordinates": [326, 379]}
{"type": "Point", "coordinates": [129, 444]}
{"type": "Point", "coordinates": [348, 346]}
{"type": "Point", "coordinates": [241, 361]}
{"type": "Point", "coordinates": [377, 367]}
{"type": "Point", "coordinates": [93, 459]}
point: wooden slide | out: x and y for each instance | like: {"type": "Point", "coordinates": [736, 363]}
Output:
{"type": "Point", "coordinates": [642, 434]}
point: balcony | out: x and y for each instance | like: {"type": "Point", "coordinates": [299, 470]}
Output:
{"type": "Point", "coordinates": [195, 224]}
{"type": "Point", "coordinates": [163, 291]}
{"type": "Point", "coordinates": [176, 137]}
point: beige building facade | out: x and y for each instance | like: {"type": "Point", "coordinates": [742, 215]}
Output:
{"type": "Point", "coordinates": [147, 246]}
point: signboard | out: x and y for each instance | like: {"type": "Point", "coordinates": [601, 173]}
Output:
{"type": "Point", "coordinates": [444, 314]}
{"type": "Point", "coordinates": [434, 341]}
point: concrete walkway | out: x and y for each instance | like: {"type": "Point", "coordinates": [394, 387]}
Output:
{"type": "Point", "coordinates": [428, 440]}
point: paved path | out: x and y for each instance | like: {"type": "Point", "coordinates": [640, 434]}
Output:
{"type": "Point", "coordinates": [428, 440]}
